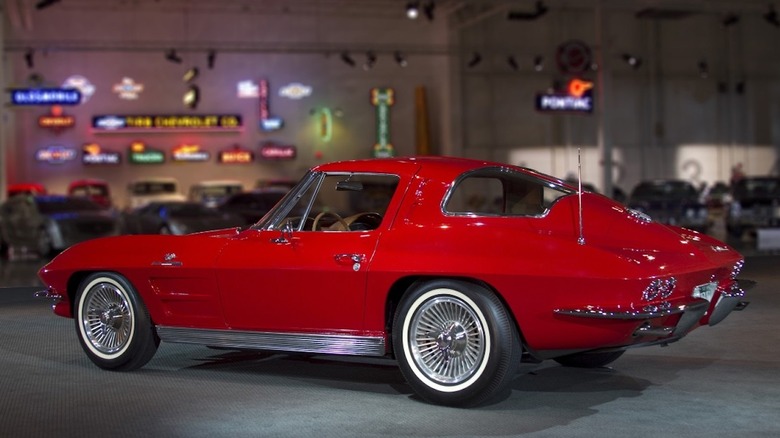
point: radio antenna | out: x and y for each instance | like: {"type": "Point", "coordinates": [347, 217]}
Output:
{"type": "Point", "coordinates": [581, 239]}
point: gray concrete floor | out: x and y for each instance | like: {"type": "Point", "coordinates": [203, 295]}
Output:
{"type": "Point", "coordinates": [721, 381]}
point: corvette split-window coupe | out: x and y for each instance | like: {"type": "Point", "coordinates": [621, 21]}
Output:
{"type": "Point", "coordinates": [458, 269]}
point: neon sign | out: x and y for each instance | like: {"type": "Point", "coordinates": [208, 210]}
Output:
{"type": "Point", "coordinates": [235, 155]}
{"type": "Point", "coordinates": [92, 153]}
{"type": "Point", "coordinates": [82, 84]}
{"type": "Point", "coordinates": [382, 99]}
{"type": "Point", "coordinates": [325, 125]}
{"type": "Point", "coordinates": [273, 151]}
{"type": "Point", "coordinates": [128, 89]}
{"type": "Point", "coordinates": [55, 154]}
{"type": "Point", "coordinates": [213, 122]}
{"type": "Point", "coordinates": [578, 98]}
{"type": "Point", "coordinates": [247, 90]}
{"type": "Point", "coordinates": [189, 153]}
{"type": "Point", "coordinates": [139, 153]}
{"type": "Point", "coordinates": [267, 123]}
{"type": "Point", "coordinates": [45, 96]}
{"type": "Point", "coordinates": [295, 91]}
{"type": "Point", "coordinates": [56, 121]}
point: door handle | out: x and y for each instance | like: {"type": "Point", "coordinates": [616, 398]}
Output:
{"type": "Point", "coordinates": [350, 259]}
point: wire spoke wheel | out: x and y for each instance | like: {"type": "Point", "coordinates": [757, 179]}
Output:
{"type": "Point", "coordinates": [107, 318]}
{"type": "Point", "coordinates": [448, 340]}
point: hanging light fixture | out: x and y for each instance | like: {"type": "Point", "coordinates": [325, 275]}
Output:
{"type": "Point", "coordinates": [29, 58]}
{"type": "Point", "coordinates": [370, 61]}
{"type": "Point", "coordinates": [413, 10]}
{"type": "Point", "coordinates": [347, 59]}
{"type": "Point", "coordinates": [475, 60]}
{"type": "Point", "coordinates": [211, 58]}
{"type": "Point", "coordinates": [400, 59]}
{"type": "Point", "coordinates": [538, 63]}
{"type": "Point", "coordinates": [172, 56]}
{"type": "Point", "coordinates": [512, 62]}
{"type": "Point", "coordinates": [633, 61]}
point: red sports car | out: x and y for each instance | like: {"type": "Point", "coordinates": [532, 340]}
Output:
{"type": "Point", "coordinates": [459, 269]}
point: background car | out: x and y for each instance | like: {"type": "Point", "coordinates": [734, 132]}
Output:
{"type": "Point", "coordinates": [176, 217]}
{"type": "Point", "coordinates": [673, 202]}
{"type": "Point", "coordinates": [26, 189]}
{"type": "Point", "coordinates": [755, 203]}
{"type": "Point", "coordinates": [51, 223]}
{"type": "Point", "coordinates": [457, 269]}
{"type": "Point", "coordinates": [211, 193]}
{"type": "Point", "coordinates": [716, 196]}
{"type": "Point", "coordinates": [144, 191]}
{"type": "Point", "coordinates": [252, 205]}
{"type": "Point", "coordinates": [97, 190]}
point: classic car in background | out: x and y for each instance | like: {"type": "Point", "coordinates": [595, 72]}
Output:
{"type": "Point", "coordinates": [51, 223]}
{"type": "Point", "coordinates": [252, 205]}
{"type": "Point", "coordinates": [716, 196]}
{"type": "Point", "coordinates": [754, 203]}
{"type": "Point", "coordinates": [144, 191]}
{"type": "Point", "coordinates": [673, 202]}
{"type": "Point", "coordinates": [211, 193]}
{"type": "Point", "coordinates": [176, 217]}
{"type": "Point", "coordinates": [97, 190]}
{"type": "Point", "coordinates": [25, 189]}
{"type": "Point", "coordinates": [459, 269]}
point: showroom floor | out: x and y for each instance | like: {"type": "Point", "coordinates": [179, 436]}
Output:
{"type": "Point", "coordinates": [721, 381]}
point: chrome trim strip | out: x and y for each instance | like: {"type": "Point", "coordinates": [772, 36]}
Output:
{"type": "Point", "coordinates": [604, 314]}
{"type": "Point", "coordinates": [291, 342]}
{"type": "Point", "coordinates": [48, 293]}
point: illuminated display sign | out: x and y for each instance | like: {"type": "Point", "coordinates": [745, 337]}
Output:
{"type": "Point", "coordinates": [382, 99]}
{"type": "Point", "coordinates": [139, 153]}
{"type": "Point", "coordinates": [273, 151]}
{"type": "Point", "coordinates": [92, 153]}
{"type": "Point", "coordinates": [578, 98]}
{"type": "Point", "coordinates": [128, 89]}
{"type": "Point", "coordinates": [55, 154]}
{"type": "Point", "coordinates": [56, 120]}
{"type": "Point", "coordinates": [82, 84]}
{"type": "Point", "coordinates": [248, 90]}
{"type": "Point", "coordinates": [295, 91]}
{"type": "Point", "coordinates": [325, 125]}
{"type": "Point", "coordinates": [236, 155]}
{"type": "Point", "coordinates": [267, 123]}
{"type": "Point", "coordinates": [45, 96]}
{"type": "Point", "coordinates": [216, 122]}
{"type": "Point", "coordinates": [189, 153]}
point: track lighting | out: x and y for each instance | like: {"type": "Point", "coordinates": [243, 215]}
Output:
{"type": "Point", "coordinates": [191, 97]}
{"type": "Point", "coordinates": [413, 10]}
{"type": "Point", "coordinates": [191, 74]}
{"type": "Point", "coordinates": [400, 59]}
{"type": "Point", "coordinates": [539, 10]}
{"type": "Point", "coordinates": [428, 10]}
{"type": "Point", "coordinates": [512, 62]}
{"type": "Point", "coordinates": [771, 16]}
{"type": "Point", "coordinates": [347, 59]}
{"type": "Point", "coordinates": [43, 4]}
{"type": "Point", "coordinates": [475, 60]}
{"type": "Point", "coordinates": [633, 61]}
{"type": "Point", "coordinates": [731, 19]}
{"type": "Point", "coordinates": [370, 61]}
{"type": "Point", "coordinates": [29, 58]}
{"type": "Point", "coordinates": [538, 63]}
{"type": "Point", "coordinates": [172, 56]}
{"type": "Point", "coordinates": [211, 58]}
{"type": "Point", "coordinates": [704, 69]}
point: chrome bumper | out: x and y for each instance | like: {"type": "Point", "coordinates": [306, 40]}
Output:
{"type": "Point", "coordinates": [48, 293]}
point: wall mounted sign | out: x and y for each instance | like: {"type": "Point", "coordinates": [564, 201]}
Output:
{"type": "Point", "coordinates": [574, 57]}
{"type": "Point", "coordinates": [82, 84]}
{"type": "Point", "coordinates": [55, 154]}
{"type": "Point", "coordinates": [235, 155]}
{"type": "Point", "coordinates": [274, 151]}
{"type": "Point", "coordinates": [128, 89]}
{"type": "Point", "coordinates": [248, 90]}
{"type": "Point", "coordinates": [295, 91]}
{"type": "Point", "coordinates": [267, 123]}
{"type": "Point", "coordinates": [140, 153]}
{"type": "Point", "coordinates": [578, 98]}
{"type": "Point", "coordinates": [189, 153]}
{"type": "Point", "coordinates": [92, 153]}
{"type": "Point", "coordinates": [148, 123]}
{"type": "Point", "coordinates": [56, 120]}
{"type": "Point", "coordinates": [45, 96]}
{"type": "Point", "coordinates": [325, 124]}
{"type": "Point", "coordinates": [382, 99]}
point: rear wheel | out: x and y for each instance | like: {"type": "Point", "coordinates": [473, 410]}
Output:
{"type": "Point", "coordinates": [113, 325]}
{"type": "Point", "coordinates": [589, 360]}
{"type": "Point", "coordinates": [455, 343]}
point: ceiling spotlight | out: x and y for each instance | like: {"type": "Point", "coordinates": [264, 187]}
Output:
{"type": "Point", "coordinates": [428, 10]}
{"type": "Point", "coordinates": [475, 60]}
{"type": "Point", "coordinates": [347, 59]}
{"type": "Point", "coordinates": [771, 16]}
{"type": "Point", "coordinates": [43, 4]}
{"type": "Point", "coordinates": [413, 10]}
{"type": "Point", "coordinates": [539, 10]}
{"type": "Point", "coordinates": [29, 58]}
{"type": "Point", "coordinates": [512, 62]}
{"type": "Point", "coordinates": [191, 74]}
{"type": "Point", "coordinates": [172, 56]}
{"type": "Point", "coordinates": [704, 69]}
{"type": "Point", "coordinates": [731, 19]}
{"type": "Point", "coordinates": [400, 59]}
{"type": "Point", "coordinates": [370, 61]}
{"type": "Point", "coordinates": [633, 61]}
{"type": "Point", "coordinates": [211, 58]}
{"type": "Point", "coordinates": [538, 63]}
{"type": "Point", "coordinates": [191, 97]}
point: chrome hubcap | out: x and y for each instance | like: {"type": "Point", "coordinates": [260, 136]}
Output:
{"type": "Point", "coordinates": [107, 319]}
{"type": "Point", "coordinates": [447, 340]}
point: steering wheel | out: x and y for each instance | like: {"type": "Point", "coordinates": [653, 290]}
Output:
{"type": "Point", "coordinates": [338, 218]}
{"type": "Point", "coordinates": [364, 221]}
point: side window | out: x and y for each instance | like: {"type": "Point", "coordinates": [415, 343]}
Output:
{"type": "Point", "coordinates": [499, 192]}
{"type": "Point", "coordinates": [343, 202]}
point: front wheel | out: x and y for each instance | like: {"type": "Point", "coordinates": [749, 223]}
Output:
{"type": "Point", "coordinates": [113, 325]}
{"type": "Point", "coordinates": [455, 343]}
